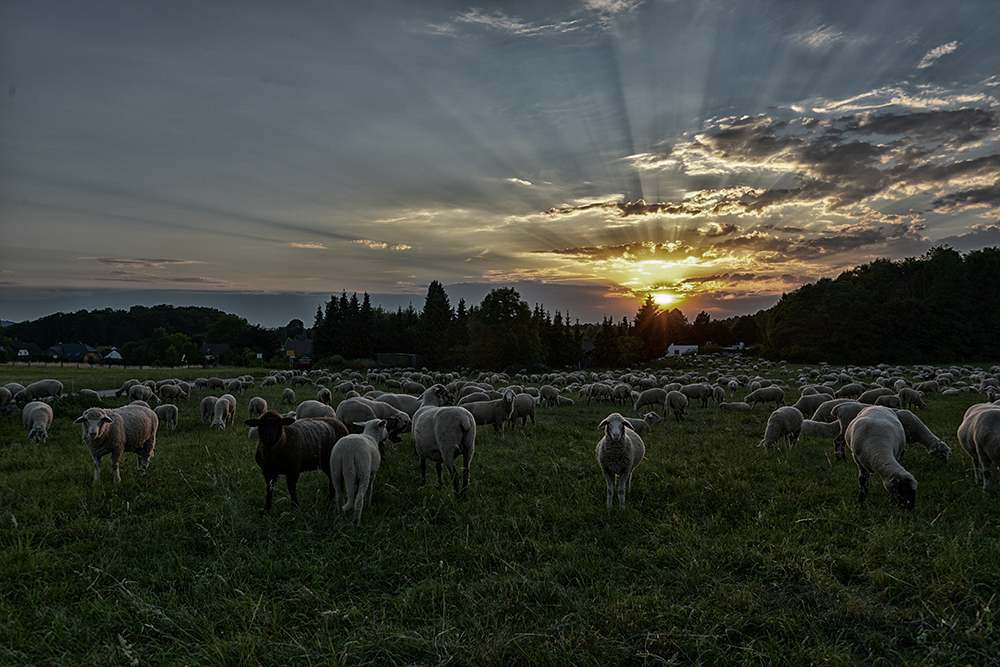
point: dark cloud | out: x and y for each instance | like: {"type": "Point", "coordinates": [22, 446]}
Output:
{"type": "Point", "coordinates": [139, 262]}
{"type": "Point", "coordinates": [988, 197]}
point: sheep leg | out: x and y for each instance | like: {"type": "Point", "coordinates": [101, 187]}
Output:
{"type": "Point", "coordinates": [97, 470]}
{"type": "Point", "coordinates": [863, 484]}
{"type": "Point", "coordinates": [291, 480]}
{"type": "Point", "coordinates": [115, 459]}
{"type": "Point", "coordinates": [269, 493]}
{"type": "Point", "coordinates": [609, 478]}
{"type": "Point", "coordinates": [624, 486]}
{"type": "Point", "coordinates": [423, 471]}
{"type": "Point", "coordinates": [838, 448]}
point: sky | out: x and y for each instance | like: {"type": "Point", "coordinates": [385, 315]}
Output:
{"type": "Point", "coordinates": [259, 157]}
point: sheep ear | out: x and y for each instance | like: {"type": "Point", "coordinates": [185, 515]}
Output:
{"type": "Point", "coordinates": [361, 424]}
{"type": "Point", "coordinates": [287, 421]}
{"type": "Point", "coordinates": [381, 423]}
{"type": "Point", "coordinates": [80, 420]}
{"type": "Point", "coordinates": [252, 422]}
{"type": "Point", "coordinates": [106, 419]}
{"type": "Point", "coordinates": [628, 424]}
{"type": "Point", "coordinates": [602, 425]}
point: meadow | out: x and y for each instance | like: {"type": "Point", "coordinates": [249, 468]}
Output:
{"type": "Point", "coordinates": [724, 554]}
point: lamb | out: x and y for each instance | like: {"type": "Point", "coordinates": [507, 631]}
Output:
{"type": "Point", "coordinates": [644, 426]}
{"type": "Point", "coordinates": [40, 389]}
{"type": "Point", "coordinates": [360, 410]}
{"type": "Point", "coordinates": [441, 432]}
{"type": "Point", "coordinates": [288, 396]}
{"type": "Point", "coordinates": [494, 412]}
{"type": "Point", "coordinates": [770, 394]}
{"type": "Point", "coordinates": [876, 438]}
{"type": "Point", "coordinates": [167, 414]}
{"type": "Point", "coordinates": [654, 396]}
{"type": "Point", "coordinates": [618, 453]}
{"type": "Point", "coordinates": [37, 418]}
{"type": "Point", "coordinates": [224, 413]}
{"type": "Point", "coordinates": [523, 408]}
{"type": "Point", "coordinates": [917, 431]}
{"type": "Point", "coordinates": [354, 461]}
{"type": "Point", "coordinates": [256, 407]}
{"type": "Point", "coordinates": [910, 398]}
{"type": "Point", "coordinates": [677, 403]}
{"type": "Point", "coordinates": [785, 423]}
{"type": "Point", "coordinates": [208, 408]}
{"type": "Point", "coordinates": [289, 447]}
{"type": "Point", "coordinates": [312, 409]}
{"type": "Point", "coordinates": [979, 435]}
{"type": "Point", "coordinates": [131, 428]}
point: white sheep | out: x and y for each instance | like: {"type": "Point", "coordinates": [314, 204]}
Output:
{"type": "Point", "coordinates": [979, 435]}
{"type": "Point", "coordinates": [311, 409]}
{"type": "Point", "coordinates": [171, 392]}
{"type": "Point", "coordinates": [644, 426]}
{"type": "Point", "coordinates": [354, 461]}
{"type": "Point", "coordinates": [130, 428]}
{"type": "Point", "coordinates": [738, 406]}
{"type": "Point", "coordinates": [360, 410]}
{"type": "Point", "coordinates": [819, 429]}
{"type": "Point", "coordinates": [287, 446]}
{"type": "Point", "coordinates": [324, 395]}
{"type": "Point", "coordinates": [442, 432]}
{"type": "Point", "coordinates": [653, 396]}
{"type": "Point", "coordinates": [224, 413]}
{"type": "Point", "coordinates": [40, 389]}
{"type": "Point", "coordinates": [772, 394]}
{"type": "Point", "coordinates": [167, 414]}
{"type": "Point", "coordinates": [699, 390]}
{"type": "Point", "coordinates": [785, 423]}
{"type": "Point", "coordinates": [677, 403]}
{"type": "Point", "coordinates": [288, 396]}
{"type": "Point", "coordinates": [496, 411]}
{"type": "Point", "coordinates": [523, 408]}
{"type": "Point", "coordinates": [141, 392]}
{"type": "Point", "coordinates": [548, 396]}
{"type": "Point", "coordinates": [37, 418]}
{"type": "Point", "coordinates": [917, 431]}
{"type": "Point", "coordinates": [910, 398]}
{"type": "Point", "coordinates": [5, 396]}
{"type": "Point", "coordinates": [618, 453]}
{"type": "Point", "coordinates": [123, 390]}
{"type": "Point", "coordinates": [256, 407]}
{"type": "Point", "coordinates": [208, 409]}
{"type": "Point", "coordinates": [877, 439]}
{"type": "Point", "coordinates": [808, 403]}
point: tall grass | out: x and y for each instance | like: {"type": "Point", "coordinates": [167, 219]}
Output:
{"type": "Point", "coordinates": [724, 553]}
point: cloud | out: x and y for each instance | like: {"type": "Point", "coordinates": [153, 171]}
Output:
{"type": "Point", "coordinates": [379, 245]}
{"type": "Point", "coordinates": [932, 56]}
{"type": "Point", "coordinates": [498, 21]}
{"type": "Point", "coordinates": [308, 246]}
{"type": "Point", "coordinates": [134, 277]}
{"type": "Point", "coordinates": [819, 38]}
{"type": "Point", "coordinates": [140, 262]}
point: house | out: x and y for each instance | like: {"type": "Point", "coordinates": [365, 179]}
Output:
{"type": "Point", "coordinates": [212, 350]}
{"type": "Point", "coordinates": [676, 350]}
{"type": "Point", "coordinates": [113, 357]}
{"type": "Point", "coordinates": [74, 352]}
{"type": "Point", "coordinates": [298, 348]}
{"type": "Point", "coordinates": [24, 351]}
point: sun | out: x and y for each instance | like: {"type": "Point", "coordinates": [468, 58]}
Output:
{"type": "Point", "coordinates": [663, 298]}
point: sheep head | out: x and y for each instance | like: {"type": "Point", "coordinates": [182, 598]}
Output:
{"type": "Point", "coordinates": [94, 422]}
{"type": "Point", "coordinates": [269, 427]}
{"type": "Point", "coordinates": [614, 426]}
{"type": "Point", "coordinates": [903, 490]}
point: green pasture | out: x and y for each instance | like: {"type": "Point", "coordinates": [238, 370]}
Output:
{"type": "Point", "coordinates": [724, 554]}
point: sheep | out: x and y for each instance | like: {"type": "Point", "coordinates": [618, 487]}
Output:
{"type": "Point", "coordinates": [523, 408]}
{"type": "Point", "coordinates": [772, 394]}
{"type": "Point", "coordinates": [89, 393]}
{"type": "Point", "coordinates": [700, 390]}
{"type": "Point", "coordinates": [548, 395]}
{"type": "Point", "coordinates": [354, 461]}
{"type": "Point", "coordinates": [785, 423]}
{"type": "Point", "coordinates": [225, 412]}
{"type": "Point", "coordinates": [37, 418]}
{"type": "Point", "coordinates": [889, 401]}
{"type": "Point", "coordinates": [296, 380]}
{"type": "Point", "coordinates": [819, 429]}
{"type": "Point", "coordinates": [644, 426]}
{"type": "Point", "coordinates": [324, 395]}
{"type": "Point", "coordinates": [979, 435]}
{"type": "Point", "coordinates": [141, 392]}
{"type": "Point", "coordinates": [561, 401]}
{"type": "Point", "coordinates": [208, 409]}
{"type": "Point", "coordinates": [130, 428]}
{"type": "Point", "coordinates": [850, 390]}
{"type": "Point", "coordinates": [123, 390]}
{"type": "Point", "coordinates": [167, 414]}
{"type": "Point", "coordinates": [928, 387]}
{"type": "Point", "coordinates": [917, 431]}
{"type": "Point", "coordinates": [287, 446]}
{"type": "Point", "coordinates": [910, 398]}
{"type": "Point", "coordinates": [288, 396]}
{"type": "Point", "coordinates": [618, 453]}
{"type": "Point", "coordinates": [807, 404]}
{"type": "Point", "coordinates": [312, 409]}
{"type": "Point", "coordinates": [876, 438]}
{"type": "Point", "coordinates": [845, 414]}
{"type": "Point", "coordinates": [40, 389]}
{"type": "Point", "coordinates": [215, 383]}
{"type": "Point", "coordinates": [824, 413]}
{"type": "Point", "coordinates": [171, 392]}
{"type": "Point", "coordinates": [871, 395]}
{"type": "Point", "coordinates": [256, 407]}
{"type": "Point", "coordinates": [677, 403]}
{"type": "Point", "coordinates": [441, 432]}
{"type": "Point", "coordinates": [738, 406]}
{"type": "Point", "coordinates": [5, 396]}
{"type": "Point", "coordinates": [362, 410]}
{"type": "Point", "coordinates": [494, 412]}
{"type": "Point", "coordinates": [654, 396]}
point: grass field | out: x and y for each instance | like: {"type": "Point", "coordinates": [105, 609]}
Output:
{"type": "Point", "coordinates": [724, 554]}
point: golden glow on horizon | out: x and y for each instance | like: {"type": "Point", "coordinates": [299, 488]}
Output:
{"type": "Point", "coordinates": [663, 298]}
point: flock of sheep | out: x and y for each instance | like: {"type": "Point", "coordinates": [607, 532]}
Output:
{"type": "Point", "coordinates": [865, 410]}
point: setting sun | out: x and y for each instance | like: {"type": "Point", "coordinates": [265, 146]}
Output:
{"type": "Point", "coordinates": [663, 298]}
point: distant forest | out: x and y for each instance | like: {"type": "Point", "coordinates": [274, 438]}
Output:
{"type": "Point", "coordinates": [939, 307]}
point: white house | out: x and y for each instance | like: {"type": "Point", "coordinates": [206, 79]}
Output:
{"type": "Point", "coordinates": [676, 350]}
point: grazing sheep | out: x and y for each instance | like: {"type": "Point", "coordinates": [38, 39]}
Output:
{"type": "Point", "coordinates": [256, 407]}
{"type": "Point", "coordinates": [845, 414]}
{"type": "Point", "coordinates": [979, 435]}
{"type": "Point", "coordinates": [561, 401]}
{"type": "Point", "coordinates": [824, 413]}
{"type": "Point", "coordinates": [123, 390]}
{"type": "Point", "coordinates": [889, 401]}
{"type": "Point", "coordinates": [358, 410]}
{"type": "Point", "coordinates": [738, 406]}
{"type": "Point", "coordinates": [618, 453]}
{"type": "Point", "coordinates": [494, 412]}
{"type": "Point", "coordinates": [171, 392]}
{"type": "Point", "coordinates": [37, 417]}
{"type": "Point", "coordinates": [850, 390]}
{"type": "Point", "coordinates": [324, 395]}
{"type": "Point", "coordinates": [289, 447]}
{"type": "Point", "coordinates": [354, 461]}
{"type": "Point", "coordinates": [5, 395]}
{"type": "Point", "coordinates": [224, 413]}
{"type": "Point", "coordinates": [910, 398]}
{"type": "Point", "coordinates": [215, 383]}
{"type": "Point", "coordinates": [819, 429]}
{"type": "Point", "coordinates": [141, 392]}
{"type": "Point", "coordinates": [876, 438]}
{"type": "Point", "coordinates": [288, 396]}
{"type": "Point", "coordinates": [917, 431]}
{"type": "Point", "coordinates": [312, 409]}
{"type": "Point", "coordinates": [785, 423]}
{"type": "Point", "coordinates": [807, 404]}
{"type": "Point", "coordinates": [442, 432]}
{"type": "Point", "coordinates": [700, 390]}
{"type": "Point", "coordinates": [770, 394]}
{"type": "Point", "coordinates": [548, 396]}
{"type": "Point", "coordinates": [644, 426]}
{"type": "Point", "coordinates": [928, 387]}
{"type": "Point", "coordinates": [523, 408]}
{"type": "Point", "coordinates": [654, 396]}
{"type": "Point", "coordinates": [89, 393]}
{"type": "Point", "coordinates": [870, 396]}
{"type": "Point", "coordinates": [130, 428]}
{"type": "Point", "coordinates": [167, 414]}
{"type": "Point", "coordinates": [208, 409]}
{"type": "Point", "coordinates": [40, 389]}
